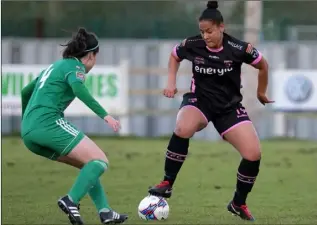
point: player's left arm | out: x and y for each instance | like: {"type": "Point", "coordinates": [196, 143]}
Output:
{"type": "Point", "coordinates": [26, 94]}
{"type": "Point", "coordinates": [76, 80]}
{"type": "Point", "coordinates": [254, 57]}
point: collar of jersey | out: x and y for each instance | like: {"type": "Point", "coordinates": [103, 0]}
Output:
{"type": "Point", "coordinates": [78, 60]}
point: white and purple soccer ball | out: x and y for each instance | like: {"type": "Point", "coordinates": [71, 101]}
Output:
{"type": "Point", "coordinates": [153, 208]}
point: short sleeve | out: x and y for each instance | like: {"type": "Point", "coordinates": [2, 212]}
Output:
{"type": "Point", "coordinates": [180, 50]}
{"type": "Point", "coordinates": [251, 55]}
{"type": "Point", "coordinates": [75, 76]}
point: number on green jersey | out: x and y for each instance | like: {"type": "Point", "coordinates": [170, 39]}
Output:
{"type": "Point", "coordinates": [45, 75]}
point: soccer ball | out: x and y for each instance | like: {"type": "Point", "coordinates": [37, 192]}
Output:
{"type": "Point", "coordinates": [153, 208]}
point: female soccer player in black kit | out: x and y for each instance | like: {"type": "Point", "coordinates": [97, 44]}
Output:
{"type": "Point", "coordinates": [215, 97]}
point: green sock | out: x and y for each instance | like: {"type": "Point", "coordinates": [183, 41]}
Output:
{"type": "Point", "coordinates": [87, 177]}
{"type": "Point", "coordinates": [99, 197]}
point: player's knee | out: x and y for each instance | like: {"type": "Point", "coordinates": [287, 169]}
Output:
{"type": "Point", "coordinates": [99, 166]}
{"type": "Point", "coordinates": [101, 156]}
{"type": "Point", "coordinates": [252, 153]}
{"type": "Point", "coordinates": [104, 158]}
{"type": "Point", "coordinates": [184, 131]}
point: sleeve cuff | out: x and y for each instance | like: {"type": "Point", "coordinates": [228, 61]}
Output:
{"type": "Point", "coordinates": [257, 60]}
{"type": "Point", "coordinates": [174, 53]}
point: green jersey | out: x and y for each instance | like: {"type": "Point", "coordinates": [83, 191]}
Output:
{"type": "Point", "coordinates": [46, 98]}
{"type": "Point", "coordinates": [53, 88]}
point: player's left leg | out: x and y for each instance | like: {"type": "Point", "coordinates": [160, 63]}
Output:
{"type": "Point", "coordinates": [96, 192]}
{"type": "Point", "coordinates": [238, 130]}
{"type": "Point", "coordinates": [82, 153]}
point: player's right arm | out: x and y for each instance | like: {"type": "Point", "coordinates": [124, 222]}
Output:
{"type": "Point", "coordinates": [177, 55]}
{"type": "Point", "coordinates": [26, 94]}
{"type": "Point", "coordinates": [76, 80]}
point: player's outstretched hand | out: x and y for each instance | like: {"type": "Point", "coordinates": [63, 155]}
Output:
{"type": "Point", "coordinates": [170, 91]}
{"type": "Point", "coordinates": [113, 123]}
{"type": "Point", "coordinates": [263, 99]}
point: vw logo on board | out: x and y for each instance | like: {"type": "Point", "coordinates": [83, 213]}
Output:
{"type": "Point", "coordinates": [299, 88]}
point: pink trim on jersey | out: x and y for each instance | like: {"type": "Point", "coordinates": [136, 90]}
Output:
{"type": "Point", "coordinates": [198, 110]}
{"type": "Point", "coordinates": [193, 86]}
{"type": "Point", "coordinates": [234, 126]}
{"type": "Point", "coordinates": [257, 60]}
{"type": "Point", "coordinates": [174, 53]}
{"type": "Point", "coordinates": [214, 49]}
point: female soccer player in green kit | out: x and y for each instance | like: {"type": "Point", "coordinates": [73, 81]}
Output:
{"type": "Point", "coordinates": [45, 132]}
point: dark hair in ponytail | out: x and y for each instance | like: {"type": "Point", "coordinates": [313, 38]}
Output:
{"type": "Point", "coordinates": [81, 44]}
{"type": "Point", "coordinates": [212, 13]}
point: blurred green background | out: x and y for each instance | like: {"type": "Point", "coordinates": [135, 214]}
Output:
{"type": "Point", "coordinates": [144, 19]}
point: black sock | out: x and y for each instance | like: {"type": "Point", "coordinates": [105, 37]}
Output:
{"type": "Point", "coordinates": [175, 156]}
{"type": "Point", "coordinates": [246, 176]}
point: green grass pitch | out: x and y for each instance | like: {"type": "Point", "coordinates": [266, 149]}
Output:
{"type": "Point", "coordinates": [285, 191]}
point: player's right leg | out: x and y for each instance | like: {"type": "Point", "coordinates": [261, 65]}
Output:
{"type": "Point", "coordinates": [190, 119]}
{"type": "Point", "coordinates": [31, 141]}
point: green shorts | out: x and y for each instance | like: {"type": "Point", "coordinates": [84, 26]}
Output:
{"type": "Point", "coordinates": [54, 139]}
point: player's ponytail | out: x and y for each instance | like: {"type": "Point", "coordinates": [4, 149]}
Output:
{"type": "Point", "coordinates": [212, 13]}
{"type": "Point", "coordinates": [81, 44]}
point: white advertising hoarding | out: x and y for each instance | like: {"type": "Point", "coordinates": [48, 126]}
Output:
{"type": "Point", "coordinates": [294, 90]}
{"type": "Point", "coordinates": [107, 84]}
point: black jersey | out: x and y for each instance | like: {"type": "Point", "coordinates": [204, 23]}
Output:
{"type": "Point", "coordinates": [217, 73]}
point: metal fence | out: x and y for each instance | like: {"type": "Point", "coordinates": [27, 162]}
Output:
{"type": "Point", "coordinates": [152, 114]}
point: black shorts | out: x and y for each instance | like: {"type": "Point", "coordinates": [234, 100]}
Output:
{"type": "Point", "coordinates": [222, 122]}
